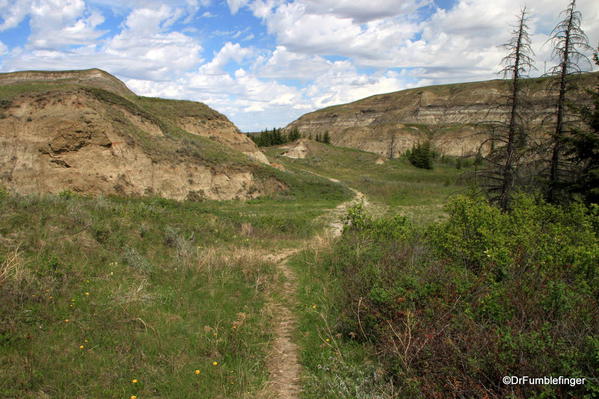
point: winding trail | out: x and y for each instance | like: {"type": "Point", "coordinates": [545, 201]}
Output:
{"type": "Point", "coordinates": [283, 361]}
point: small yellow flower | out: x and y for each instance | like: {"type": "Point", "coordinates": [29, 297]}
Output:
{"type": "Point", "coordinates": [66, 320]}
{"type": "Point", "coordinates": [197, 372]}
{"type": "Point", "coordinates": [87, 294]}
{"type": "Point", "coordinates": [133, 397]}
{"type": "Point", "coordinates": [313, 306]}
{"type": "Point", "coordinates": [81, 346]}
{"type": "Point", "coordinates": [328, 340]}
{"type": "Point", "coordinates": [85, 340]}
{"type": "Point", "coordinates": [215, 363]}
{"type": "Point", "coordinates": [134, 381]}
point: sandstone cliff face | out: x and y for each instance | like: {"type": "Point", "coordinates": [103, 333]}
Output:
{"type": "Point", "coordinates": [452, 117]}
{"type": "Point", "coordinates": [96, 142]}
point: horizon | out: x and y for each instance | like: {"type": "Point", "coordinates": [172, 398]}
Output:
{"type": "Point", "coordinates": [264, 63]}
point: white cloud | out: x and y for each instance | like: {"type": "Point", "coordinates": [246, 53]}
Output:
{"type": "Point", "coordinates": [229, 52]}
{"type": "Point", "coordinates": [343, 83]}
{"type": "Point", "coordinates": [365, 11]}
{"type": "Point", "coordinates": [13, 12]}
{"type": "Point", "coordinates": [144, 49]}
{"type": "Point", "coordinates": [284, 64]}
{"type": "Point", "coordinates": [235, 5]}
{"type": "Point", "coordinates": [273, 85]}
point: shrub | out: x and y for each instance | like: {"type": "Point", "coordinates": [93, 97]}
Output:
{"type": "Point", "coordinates": [454, 308]}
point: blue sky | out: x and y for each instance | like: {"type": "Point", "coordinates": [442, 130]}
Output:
{"type": "Point", "coordinates": [264, 63]}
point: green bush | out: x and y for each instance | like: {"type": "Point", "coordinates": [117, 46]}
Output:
{"type": "Point", "coordinates": [455, 307]}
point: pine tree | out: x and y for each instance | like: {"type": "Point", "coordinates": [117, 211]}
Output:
{"type": "Point", "coordinates": [326, 138]}
{"type": "Point", "coordinates": [504, 161]}
{"type": "Point", "coordinates": [582, 149]}
{"type": "Point", "coordinates": [569, 42]}
{"type": "Point", "coordinates": [421, 156]}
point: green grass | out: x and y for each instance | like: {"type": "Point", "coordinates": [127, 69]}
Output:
{"type": "Point", "coordinates": [334, 366]}
{"type": "Point", "coordinates": [396, 183]}
{"type": "Point", "coordinates": [151, 289]}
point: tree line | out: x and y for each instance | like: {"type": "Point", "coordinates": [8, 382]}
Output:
{"type": "Point", "coordinates": [278, 136]}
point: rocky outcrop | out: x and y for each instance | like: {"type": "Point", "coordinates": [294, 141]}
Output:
{"type": "Point", "coordinates": [454, 118]}
{"type": "Point", "coordinates": [89, 140]}
{"type": "Point", "coordinates": [296, 150]}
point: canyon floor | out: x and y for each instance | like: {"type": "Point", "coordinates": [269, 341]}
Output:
{"type": "Point", "coordinates": [156, 298]}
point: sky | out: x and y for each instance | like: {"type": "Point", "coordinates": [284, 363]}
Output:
{"type": "Point", "coordinates": [264, 63]}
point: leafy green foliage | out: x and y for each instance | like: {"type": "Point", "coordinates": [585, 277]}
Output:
{"type": "Point", "coordinates": [453, 308]}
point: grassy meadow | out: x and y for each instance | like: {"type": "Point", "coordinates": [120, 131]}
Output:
{"type": "Point", "coordinates": [425, 294]}
{"type": "Point", "coordinates": [121, 297]}
{"type": "Point", "coordinates": [395, 185]}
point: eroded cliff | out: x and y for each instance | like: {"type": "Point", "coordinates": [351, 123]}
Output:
{"type": "Point", "coordinates": [64, 133]}
{"type": "Point", "coordinates": [454, 118]}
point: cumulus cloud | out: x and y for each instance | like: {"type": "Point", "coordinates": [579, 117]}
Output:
{"type": "Point", "coordinates": [229, 52]}
{"type": "Point", "coordinates": [13, 12]}
{"type": "Point", "coordinates": [284, 64]}
{"type": "Point", "coordinates": [296, 55]}
{"type": "Point", "coordinates": [365, 11]}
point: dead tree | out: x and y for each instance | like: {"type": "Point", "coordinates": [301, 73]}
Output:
{"type": "Point", "coordinates": [510, 135]}
{"type": "Point", "coordinates": [569, 42]}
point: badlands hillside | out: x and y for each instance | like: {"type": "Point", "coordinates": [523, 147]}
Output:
{"type": "Point", "coordinates": [86, 132]}
{"type": "Point", "coordinates": [455, 118]}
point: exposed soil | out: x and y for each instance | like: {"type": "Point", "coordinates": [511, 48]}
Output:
{"type": "Point", "coordinates": [283, 361]}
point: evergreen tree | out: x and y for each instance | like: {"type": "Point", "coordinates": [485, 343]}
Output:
{"type": "Point", "coordinates": [421, 156]}
{"type": "Point", "coordinates": [294, 134]}
{"type": "Point", "coordinates": [582, 149]}
{"type": "Point", "coordinates": [569, 42]}
{"type": "Point", "coordinates": [326, 138]}
{"type": "Point", "coordinates": [504, 161]}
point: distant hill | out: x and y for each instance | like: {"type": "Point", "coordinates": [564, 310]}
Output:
{"type": "Point", "coordinates": [86, 132]}
{"type": "Point", "coordinates": [451, 116]}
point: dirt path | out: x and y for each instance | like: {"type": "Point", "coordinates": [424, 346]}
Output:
{"type": "Point", "coordinates": [283, 361]}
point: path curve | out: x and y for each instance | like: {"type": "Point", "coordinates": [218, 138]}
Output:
{"type": "Point", "coordinates": [283, 362]}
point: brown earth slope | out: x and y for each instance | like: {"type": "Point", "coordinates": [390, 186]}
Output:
{"type": "Point", "coordinates": [84, 131]}
{"type": "Point", "coordinates": [452, 117]}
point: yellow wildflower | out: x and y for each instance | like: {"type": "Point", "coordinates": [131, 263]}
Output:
{"type": "Point", "coordinates": [197, 372]}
